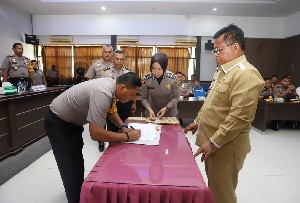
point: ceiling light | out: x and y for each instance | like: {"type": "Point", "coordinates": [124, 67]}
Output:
{"type": "Point", "coordinates": [215, 9]}
{"type": "Point", "coordinates": [103, 8]}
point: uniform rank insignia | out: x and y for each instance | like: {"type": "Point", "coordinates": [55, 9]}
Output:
{"type": "Point", "coordinates": [168, 86]}
{"type": "Point", "coordinates": [111, 75]}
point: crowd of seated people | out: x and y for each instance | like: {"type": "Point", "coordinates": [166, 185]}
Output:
{"type": "Point", "coordinates": [283, 89]}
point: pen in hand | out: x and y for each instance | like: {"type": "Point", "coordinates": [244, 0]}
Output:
{"type": "Point", "coordinates": [132, 128]}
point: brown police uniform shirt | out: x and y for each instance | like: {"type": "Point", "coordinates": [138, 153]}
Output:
{"type": "Point", "coordinates": [86, 102]}
{"type": "Point", "coordinates": [230, 106]}
{"type": "Point", "coordinates": [161, 95]}
{"type": "Point", "coordinates": [98, 68]}
{"type": "Point", "coordinates": [17, 67]}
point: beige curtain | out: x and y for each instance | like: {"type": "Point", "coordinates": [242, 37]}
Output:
{"type": "Point", "coordinates": [138, 59]}
{"type": "Point", "coordinates": [61, 57]}
{"type": "Point", "coordinates": [84, 55]}
{"type": "Point", "coordinates": [178, 58]}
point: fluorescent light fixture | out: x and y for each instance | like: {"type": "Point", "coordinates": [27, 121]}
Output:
{"type": "Point", "coordinates": [103, 8]}
{"type": "Point", "coordinates": [215, 9]}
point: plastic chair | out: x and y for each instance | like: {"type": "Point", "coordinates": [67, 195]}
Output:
{"type": "Point", "coordinates": [205, 87]}
{"type": "Point", "coordinates": [199, 92]}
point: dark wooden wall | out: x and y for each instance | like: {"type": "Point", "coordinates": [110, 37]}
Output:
{"type": "Point", "coordinates": [275, 56]}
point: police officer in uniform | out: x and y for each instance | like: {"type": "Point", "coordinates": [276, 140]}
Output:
{"type": "Point", "coordinates": [38, 74]}
{"type": "Point", "coordinates": [97, 70]}
{"type": "Point", "coordinates": [183, 87]}
{"type": "Point", "coordinates": [15, 68]}
{"type": "Point", "coordinates": [125, 110]}
{"type": "Point", "coordinates": [89, 102]}
{"type": "Point", "coordinates": [98, 65]}
{"type": "Point", "coordinates": [160, 92]}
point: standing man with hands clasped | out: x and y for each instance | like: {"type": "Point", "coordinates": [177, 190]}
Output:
{"type": "Point", "coordinates": [224, 121]}
{"type": "Point", "coordinates": [15, 68]}
{"type": "Point", "coordinates": [88, 102]}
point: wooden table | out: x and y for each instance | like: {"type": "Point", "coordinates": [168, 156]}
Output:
{"type": "Point", "coordinates": [267, 111]}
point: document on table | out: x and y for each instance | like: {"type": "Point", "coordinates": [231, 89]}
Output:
{"type": "Point", "coordinates": [150, 133]}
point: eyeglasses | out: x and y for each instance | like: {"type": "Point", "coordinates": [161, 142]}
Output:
{"type": "Point", "coordinates": [216, 50]}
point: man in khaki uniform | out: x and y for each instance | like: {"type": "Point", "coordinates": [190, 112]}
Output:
{"type": "Point", "coordinates": [38, 74]}
{"type": "Point", "coordinates": [15, 68]}
{"type": "Point", "coordinates": [183, 87]}
{"type": "Point", "coordinates": [224, 121]}
{"type": "Point", "coordinates": [89, 102]}
{"type": "Point", "coordinates": [99, 66]}
{"type": "Point", "coordinates": [98, 69]}
{"type": "Point", "coordinates": [160, 93]}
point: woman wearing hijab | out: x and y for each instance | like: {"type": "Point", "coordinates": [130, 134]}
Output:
{"type": "Point", "coordinates": [160, 93]}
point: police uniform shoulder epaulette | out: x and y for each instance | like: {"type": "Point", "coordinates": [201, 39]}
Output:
{"type": "Point", "coordinates": [94, 60]}
{"type": "Point", "coordinates": [9, 55]}
{"type": "Point", "coordinates": [171, 75]}
{"type": "Point", "coordinates": [25, 57]}
{"type": "Point", "coordinates": [126, 68]}
{"type": "Point", "coordinates": [148, 76]}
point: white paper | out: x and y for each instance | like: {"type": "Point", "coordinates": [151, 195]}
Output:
{"type": "Point", "coordinates": [149, 133]}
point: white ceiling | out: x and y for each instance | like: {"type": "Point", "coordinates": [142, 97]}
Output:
{"type": "Point", "coordinates": [257, 8]}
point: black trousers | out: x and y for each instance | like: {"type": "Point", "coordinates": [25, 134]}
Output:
{"type": "Point", "coordinates": [124, 111]}
{"type": "Point", "coordinates": [15, 81]}
{"type": "Point", "coordinates": [66, 141]}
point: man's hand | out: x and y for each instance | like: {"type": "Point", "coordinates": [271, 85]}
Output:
{"type": "Point", "coordinates": [206, 150]}
{"type": "Point", "coordinates": [134, 135]}
{"type": "Point", "coordinates": [152, 114]}
{"type": "Point", "coordinates": [192, 127]}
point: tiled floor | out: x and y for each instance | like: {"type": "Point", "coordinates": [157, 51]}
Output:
{"type": "Point", "coordinates": [270, 174]}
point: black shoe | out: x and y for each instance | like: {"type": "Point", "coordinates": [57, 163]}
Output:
{"type": "Point", "coordinates": [101, 146]}
{"type": "Point", "coordinates": [274, 125]}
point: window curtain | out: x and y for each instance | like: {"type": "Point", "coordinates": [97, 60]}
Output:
{"type": "Point", "coordinates": [178, 58]}
{"type": "Point", "coordinates": [84, 55]}
{"type": "Point", "coordinates": [61, 57]}
{"type": "Point", "coordinates": [138, 59]}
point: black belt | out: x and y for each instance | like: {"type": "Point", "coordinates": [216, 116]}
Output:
{"type": "Point", "coordinates": [22, 78]}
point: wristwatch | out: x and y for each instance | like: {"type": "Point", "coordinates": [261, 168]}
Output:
{"type": "Point", "coordinates": [122, 126]}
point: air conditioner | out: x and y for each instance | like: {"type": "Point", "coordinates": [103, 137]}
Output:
{"type": "Point", "coordinates": [129, 39]}
{"type": "Point", "coordinates": [185, 40]}
{"type": "Point", "coordinates": [61, 39]}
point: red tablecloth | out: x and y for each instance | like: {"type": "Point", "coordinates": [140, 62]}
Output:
{"type": "Point", "coordinates": [132, 173]}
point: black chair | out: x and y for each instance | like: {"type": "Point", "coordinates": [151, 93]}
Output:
{"type": "Point", "coordinates": [80, 75]}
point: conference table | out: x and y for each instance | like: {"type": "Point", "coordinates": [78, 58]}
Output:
{"type": "Point", "coordinates": [132, 173]}
{"type": "Point", "coordinates": [267, 111]}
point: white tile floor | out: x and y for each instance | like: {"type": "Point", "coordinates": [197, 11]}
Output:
{"type": "Point", "coordinates": [271, 173]}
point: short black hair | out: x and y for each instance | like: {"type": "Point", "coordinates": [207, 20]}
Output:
{"type": "Point", "coordinates": [274, 76]}
{"type": "Point", "coordinates": [232, 34]}
{"type": "Point", "coordinates": [119, 51]}
{"type": "Point", "coordinates": [284, 77]}
{"type": "Point", "coordinates": [178, 72]}
{"type": "Point", "coordinates": [16, 44]}
{"type": "Point", "coordinates": [130, 79]}
{"type": "Point", "coordinates": [33, 61]}
{"type": "Point", "coordinates": [266, 79]}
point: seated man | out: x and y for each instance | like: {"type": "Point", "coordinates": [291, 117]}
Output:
{"type": "Point", "coordinates": [183, 87]}
{"type": "Point", "coordinates": [283, 90]}
{"type": "Point", "coordinates": [267, 90]}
